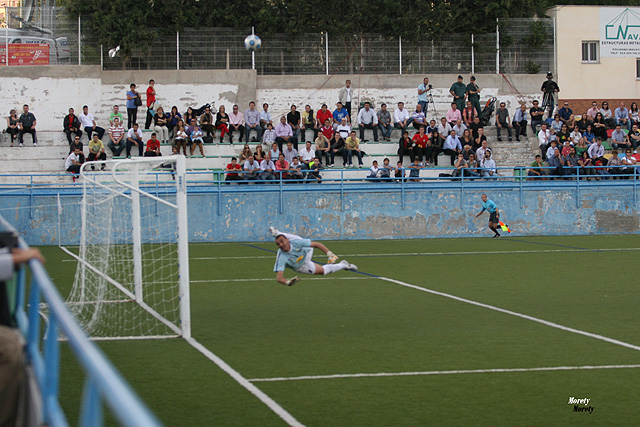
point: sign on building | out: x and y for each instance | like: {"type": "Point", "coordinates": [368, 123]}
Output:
{"type": "Point", "coordinates": [619, 32]}
{"type": "Point", "coordinates": [25, 54]}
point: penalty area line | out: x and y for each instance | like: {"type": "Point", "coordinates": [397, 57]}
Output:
{"type": "Point", "coordinates": [271, 279]}
{"type": "Point", "coordinates": [452, 372]}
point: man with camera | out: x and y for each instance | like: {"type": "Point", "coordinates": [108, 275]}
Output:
{"type": "Point", "coordinates": [423, 95]}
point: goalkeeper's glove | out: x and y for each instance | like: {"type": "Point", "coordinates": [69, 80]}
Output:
{"type": "Point", "coordinates": [291, 282]}
{"type": "Point", "coordinates": [331, 257]}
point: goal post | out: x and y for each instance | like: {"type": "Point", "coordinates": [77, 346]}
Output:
{"type": "Point", "coordinates": [132, 278]}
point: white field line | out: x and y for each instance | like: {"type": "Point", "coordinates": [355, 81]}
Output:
{"type": "Point", "coordinates": [271, 279]}
{"type": "Point", "coordinates": [271, 404]}
{"type": "Point", "coordinates": [455, 372]}
{"type": "Point", "coordinates": [540, 251]}
{"type": "Point", "coordinates": [515, 313]}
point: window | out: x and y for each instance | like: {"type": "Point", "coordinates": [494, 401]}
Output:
{"type": "Point", "coordinates": [590, 51]}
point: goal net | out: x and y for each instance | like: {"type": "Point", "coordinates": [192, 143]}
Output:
{"type": "Point", "coordinates": [132, 278]}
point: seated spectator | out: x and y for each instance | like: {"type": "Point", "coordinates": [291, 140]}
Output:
{"type": "Point", "coordinates": [420, 140]}
{"type": "Point", "coordinates": [418, 118]}
{"type": "Point", "coordinates": [367, 119]}
{"type": "Point", "coordinates": [414, 170]}
{"type": "Point", "coordinates": [622, 116]}
{"type": "Point", "coordinates": [575, 136]}
{"type": "Point", "coordinates": [259, 155]}
{"type": "Point", "coordinates": [206, 123]}
{"type": "Point", "coordinates": [571, 162]}
{"type": "Point", "coordinates": [565, 112]}
{"type": "Point", "coordinates": [384, 122]}
{"type": "Point", "coordinates": [474, 126]}
{"type": "Point", "coordinates": [634, 113]}
{"type": "Point", "coordinates": [12, 126]}
{"type": "Point", "coordinates": [322, 115]}
{"type": "Point", "coordinates": [385, 170]}
{"type": "Point", "coordinates": [478, 140]}
{"type": "Point", "coordinates": [153, 146]}
{"type": "Point", "coordinates": [284, 134]}
{"type": "Point", "coordinates": [467, 151]}
{"type": "Point", "coordinates": [344, 129]}
{"type": "Point", "coordinates": [189, 115]}
{"type": "Point", "coordinates": [628, 163]}
{"type": "Point", "coordinates": [405, 147]}
{"type": "Point", "coordinates": [459, 127]}
{"type": "Point", "coordinates": [327, 130]}
{"type": "Point", "coordinates": [70, 125]}
{"type": "Point", "coordinates": [588, 136]}
{"type": "Point", "coordinates": [472, 170]}
{"type": "Point", "coordinates": [290, 152]}
{"type": "Point", "coordinates": [251, 169]}
{"type": "Point", "coordinates": [503, 121]}
{"type": "Point", "coordinates": [336, 147]}
{"type": "Point", "coordinates": [619, 139]}
{"type": "Point", "coordinates": [73, 163]}
{"type": "Point", "coordinates": [585, 165]}
{"type": "Point", "coordinates": [600, 126]}
{"type": "Point", "coordinates": [309, 123]}
{"type": "Point", "coordinates": [373, 172]}
{"type": "Point", "coordinates": [134, 138]}
{"type": "Point", "coordinates": [295, 170]}
{"type": "Point", "coordinates": [634, 136]}
{"type": "Point", "coordinates": [232, 171]}
{"type": "Point", "coordinates": [323, 146]}
{"type": "Point", "coordinates": [27, 124]}
{"type": "Point", "coordinates": [552, 148]}
{"type": "Point", "coordinates": [399, 172]}
{"type": "Point", "coordinates": [269, 136]}
{"type": "Point", "coordinates": [338, 114]}
{"type": "Point", "coordinates": [591, 112]}
{"type": "Point", "coordinates": [252, 122]}
{"type": "Point", "coordinates": [596, 152]}
{"type": "Point", "coordinates": [196, 136]}
{"type": "Point", "coordinates": [460, 166]}
{"type": "Point", "coordinates": [614, 165]}
{"type": "Point", "coordinates": [117, 141]}
{"type": "Point", "coordinates": [581, 147]}
{"type": "Point", "coordinates": [556, 124]}
{"type": "Point", "coordinates": [563, 135]}
{"type": "Point", "coordinates": [452, 146]}
{"type": "Point", "coordinates": [536, 170]}
{"type": "Point", "coordinates": [245, 154]}
{"type": "Point", "coordinates": [453, 114]}
{"type": "Point", "coordinates": [520, 120]}
{"type": "Point", "coordinates": [314, 171]}
{"type": "Point", "coordinates": [584, 122]}
{"type": "Point", "coordinates": [544, 140]}
{"type": "Point", "coordinates": [294, 120]}
{"type": "Point", "coordinates": [282, 167]}
{"type": "Point", "coordinates": [306, 154]}
{"type": "Point", "coordinates": [607, 114]}
{"type": "Point", "coordinates": [466, 139]}
{"type": "Point", "coordinates": [181, 139]}
{"type": "Point", "coordinates": [401, 117]}
{"type": "Point", "coordinates": [433, 127]}
{"type": "Point", "coordinates": [77, 144]}
{"type": "Point", "coordinates": [274, 152]}
{"type": "Point", "coordinates": [115, 113]}
{"type": "Point", "coordinates": [265, 117]}
{"type": "Point", "coordinates": [96, 151]}
{"type": "Point", "coordinates": [434, 148]}
{"type": "Point", "coordinates": [236, 124]}
{"type": "Point", "coordinates": [174, 118]}
{"type": "Point", "coordinates": [222, 123]}
{"type": "Point", "coordinates": [267, 169]}
{"type": "Point", "coordinates": [444, 127]}
{"type": "Point", "coordinates": [535, 113]}
{"type": "Point", "coordinates": [484, 147]}
{"type": "Point", "coordinates": [89, 124]}
{"type": "Point", "coordinates": [351, 147]}
{"type": "Point", "coordinates": [556, 161]}
{"type": "Point", "coordinates": [160, 121]}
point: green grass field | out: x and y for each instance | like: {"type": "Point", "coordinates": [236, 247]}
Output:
{"type": "Point", "coordinates": [445, 361]}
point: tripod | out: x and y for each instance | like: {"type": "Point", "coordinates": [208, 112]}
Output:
{"type": "Point", "coordinates": [431, 105]}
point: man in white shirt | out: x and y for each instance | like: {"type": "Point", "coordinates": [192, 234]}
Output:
{"type": "Point", "coordinates": [401, 117]}
{"type": "Point", "coordinates": [345, 96]}
{"type": "Point", "coordinates": [73, 164]}
{"type": "Point", "coordinates": [306, 155]}
{"type": "Point", "coordinates": [459, 127]}
{"type": "Point", "coordinates": [265, 116]}
{"type": "Point", "coordinates": [134, 139]}
{"type": "Point", "coordinates": [89, 124]}
{"type": "Point", "coordinates": [343, 129]}
{"type": "Point", "coordinates": [367, 119]}
{"type": "Point", "coordinates": [543, 140]}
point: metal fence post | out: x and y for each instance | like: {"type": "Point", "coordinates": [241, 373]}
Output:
{"type": "Point", "coordinates": [79, 41]}
{"type": "Point", "coordinates": [473, 57]}
{"type": "Point", "coordinates": [326, 51]}
{"type": "Point", "coordinates": [101, 57]}
{"type": "Point", "coordinates": [178, 50]}
{"type": "Point", "coordinates": [400, 52]}
{"type": "Point", "coordinates": [497, 46]}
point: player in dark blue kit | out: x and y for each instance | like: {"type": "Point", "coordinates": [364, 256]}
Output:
{"type": "Point", "coordinates": [494, 216]}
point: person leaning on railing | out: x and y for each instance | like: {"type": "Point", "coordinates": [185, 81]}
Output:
{"type": "Point", "coordinates": [536, 170]}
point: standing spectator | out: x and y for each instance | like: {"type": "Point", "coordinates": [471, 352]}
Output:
{"type": "Point", "coordinates": [308, 122]}
{"type": "Point", "coordinates": [206, 123]}
{"type": "Point", "coordinates": [70, 125]}
{"type": "Point", "coordinates": [265, 116]}
{"type": "Point", "coordinates": [622, 116]}
{"type": "Point", "coordinates": [284, 134]}
{"type": "Point", "coordinates": [151, 100]}
{"type": "Point", "coordinates": [222, 123]}
{"type": "Point", "coordinates": [345, 96]}
{"type": "Point", "coordinates": [352, 146]}
{"type": "Point", "coordinates": [452, 146]}
{"type": "Point", "coordinates": [502, 120]}
{"type": "Point", "coordinates": [134, 139]}
{"type": "Point", "coordinates": [133, 102]}
{"type": "Point", "coordinates": [160, 121]}
{"type": "Point", "coordinates": [293, 118]}
{"type": "Point", "coordinates": [115, 113]}
{"type": "Point", "coordinates": [96, 151]}
{"type": "Point", "coordinates": [401, 117]}
{"type": "Point", "coordinates": [384, 122]}
{"type": "Point", "coordinates": [405, 147]}
{"type": "Point", "coordinates": [117, 141]}
{"type": "Point", "coordinates": [27, 124]}
{"type": "Point", "coordinates": [269, 135]}
{"type": "Point", "coordinates": [536, 114]}
{"type": "Point", "coordinates": [336, 148]}
{"type": "Point", "coordinates": [12, 125]}
{"type": "Point", "coordinates": [232, 171]}
{"type": "Point", "coordinates": [73, 163]}
{"type": "Point", "coordinates": [236, 123]}
{"type": "Point", "coordinates": [459, 91]}
{"type": "Point", "coordinates": [550, 89]}
{"type": "Point", "coordinates": [367, 119]}
{"type": "Point", "coordinates": [252, 122]}
{"type": "Point", "coordinates": [89, 124]}
{"type": "Point", "coordinates": [520, 122]}
{"type": "Point", "coordinates": [181, 138]}
{"type": "Point", "coordinates": [153, 146]}
{"type": "Point", "coordinates": [473, 95]}
{"type": "Point", "coordinates": [423, 95]}
{"type": "Point", "coordinates": [338, 114]}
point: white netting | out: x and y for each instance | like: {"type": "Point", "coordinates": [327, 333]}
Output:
{"type": "Point", "coordinates": [127, 282]}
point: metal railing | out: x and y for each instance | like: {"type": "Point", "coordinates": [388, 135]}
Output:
{"type": "Point", "coordinates": [103, 382]}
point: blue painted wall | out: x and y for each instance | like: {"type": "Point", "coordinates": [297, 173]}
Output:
{"type": "Point", "coordinates": [361, 211]}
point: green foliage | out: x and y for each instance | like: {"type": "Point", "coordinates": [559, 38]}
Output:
{"type": "Point", "coordinates": [531, 67]}
{"type": "Point", "coordinates": [538, 35]}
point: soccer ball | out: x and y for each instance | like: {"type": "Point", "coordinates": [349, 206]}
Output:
{"type": "Point", "coordinates": [252, 43]}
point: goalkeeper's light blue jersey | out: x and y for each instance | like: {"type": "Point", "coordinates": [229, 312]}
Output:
{"type": "Point", "coordinates": [296, 255]}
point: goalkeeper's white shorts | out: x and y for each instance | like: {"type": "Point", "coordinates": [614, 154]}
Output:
{"type": "Point", "coordinates": [308, 266]}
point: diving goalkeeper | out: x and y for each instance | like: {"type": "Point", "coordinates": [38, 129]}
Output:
{"type": "Point", "coordinates": [296, 252]}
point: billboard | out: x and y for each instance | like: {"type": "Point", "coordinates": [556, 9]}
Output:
{"type": "Point", "coordinates": [620, 32]}
{"type": "Point", "coordinates": [25, 54]}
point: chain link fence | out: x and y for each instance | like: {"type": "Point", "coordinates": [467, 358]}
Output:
{"type": "Point", "coordinates": [526, 46]}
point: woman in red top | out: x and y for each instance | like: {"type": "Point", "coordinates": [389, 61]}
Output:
{"type": "Point", "coordinates": [420, 140]}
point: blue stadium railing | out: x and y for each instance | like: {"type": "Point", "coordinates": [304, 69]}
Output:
{"type": "Point", "coordinates": [102, 383]}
